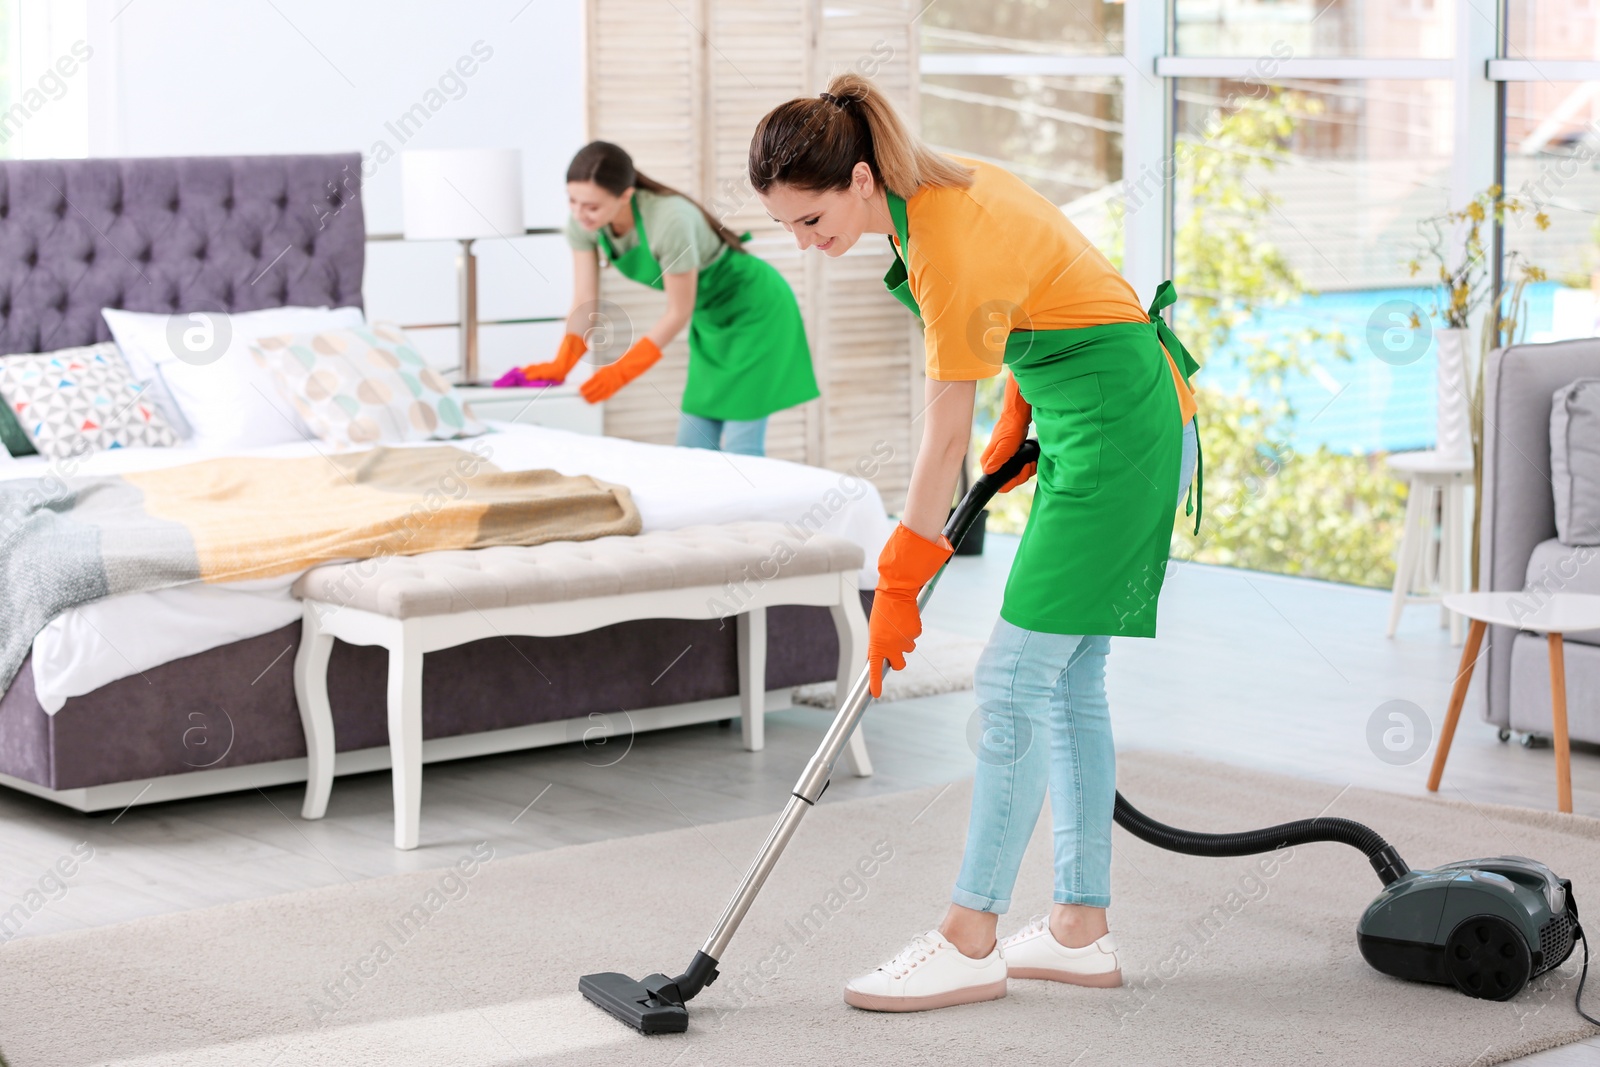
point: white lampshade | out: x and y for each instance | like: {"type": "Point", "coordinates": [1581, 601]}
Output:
{"type": "Point", "coordinates": [462, 192]}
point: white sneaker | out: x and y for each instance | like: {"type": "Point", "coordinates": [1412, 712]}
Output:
{"type": "Point", "coordinates": [929, 972]}
{"type": "Point", "coordinates": [1034, 952]}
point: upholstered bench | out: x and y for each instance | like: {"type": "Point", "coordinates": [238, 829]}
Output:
{"type": "Point", "coordinates": [413, 605]}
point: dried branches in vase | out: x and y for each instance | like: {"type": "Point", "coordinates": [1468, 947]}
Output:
{"type": "Point", "coordinates": [1457, 248]}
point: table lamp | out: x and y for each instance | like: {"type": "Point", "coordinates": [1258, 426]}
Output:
{"type": "Point", "coordinates": [463, 194]}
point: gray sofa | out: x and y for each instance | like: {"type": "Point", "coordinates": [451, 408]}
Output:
{"type": "Point", "coordinates": [1519, 549]}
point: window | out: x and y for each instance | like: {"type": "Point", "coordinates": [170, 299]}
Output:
{"type": "Point", "coordinates": [1021, 27]}
{"type": "Point", "coordinates": [1552, 29]}
{"type": "Point", "coordinates": [1063, 136]}
{"type": "Point", "coordinates": [1297, 212]}
{"type": "Point", "coordinates": [1315, 28]}
{"type": "Point", "coordinates": [1309, 146]}
{"type": "Point", "coordinates": [1552, 162]}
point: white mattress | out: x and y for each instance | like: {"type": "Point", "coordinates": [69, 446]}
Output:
{"type": "Point", "coordinates": [90, 646]}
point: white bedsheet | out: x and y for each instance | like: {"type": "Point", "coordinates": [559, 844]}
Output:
{"type": "Point", "coordinates": [93, 645]}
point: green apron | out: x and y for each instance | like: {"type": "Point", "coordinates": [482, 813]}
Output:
{"type": "Point", "coordinates": [1110, 430]}
{"type": "Point", "coordinates": [747, 345]}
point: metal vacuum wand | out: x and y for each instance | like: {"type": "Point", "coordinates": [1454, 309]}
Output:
{"type": "Point", "coordinates": [814, 779]}
{"type": "Point", "coordinates": [655, 1004]}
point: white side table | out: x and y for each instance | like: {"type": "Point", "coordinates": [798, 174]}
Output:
{"type": "Point", "coordinates": [1560, 613]}
{"type": "Point", "coordinates": [1419, 566]}
{"type": "Point", "coordinates": [560, 407]}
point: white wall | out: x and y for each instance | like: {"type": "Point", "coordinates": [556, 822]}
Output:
{"type": "Point", "coordinates": [202, 77]}
{"type": "Point", "coordinates": [50, 97]}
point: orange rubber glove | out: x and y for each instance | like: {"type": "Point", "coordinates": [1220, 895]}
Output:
{"type": "Point", "coordinates": [603, 383]}
{"type": "Point", "coordinates": [567, 356]}
{"type": "Point", "coordinates": [1010, 430]}
{"type": "Point", "coordinates": [907, 563]}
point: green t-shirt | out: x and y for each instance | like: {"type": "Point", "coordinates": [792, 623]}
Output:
{"type": "Point", "coordinates": [680, 237]}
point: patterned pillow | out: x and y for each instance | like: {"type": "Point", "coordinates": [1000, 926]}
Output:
{"type": "Point", "coordinates": [81, 400]}
{"type": "Point", "coordinates": [363, 385]}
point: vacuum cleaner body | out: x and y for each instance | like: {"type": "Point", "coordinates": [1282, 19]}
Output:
{"type": "Point", "coordinates": [1485, 926]}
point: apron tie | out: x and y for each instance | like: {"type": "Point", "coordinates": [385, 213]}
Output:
{"type": "Point", "coordinates": [1166, 296]}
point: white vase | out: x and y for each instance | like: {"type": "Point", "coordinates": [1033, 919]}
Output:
{"type": "Point", "coordinates": [1454, 437]}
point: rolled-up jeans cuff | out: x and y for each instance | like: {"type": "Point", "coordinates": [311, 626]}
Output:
{"type": "Point", "coordinates": [1091, 900]}
{"type": "Point", "coordinates": [979, 903]}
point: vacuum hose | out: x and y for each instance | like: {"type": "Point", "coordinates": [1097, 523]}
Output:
{"type": "Point", "coordinates": [1382, 855]}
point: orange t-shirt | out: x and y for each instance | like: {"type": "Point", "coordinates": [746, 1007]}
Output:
{"type": "Point", "coordinates": [998, 257]}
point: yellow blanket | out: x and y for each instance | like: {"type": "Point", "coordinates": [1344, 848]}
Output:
{"type": "Point", "coordinates": [256, 518]}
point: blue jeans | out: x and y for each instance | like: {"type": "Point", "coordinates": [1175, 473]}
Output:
{"type": "Point", "coordinates": [747, 438]}
{"type": "Point", "coordinates": [1044, 723]}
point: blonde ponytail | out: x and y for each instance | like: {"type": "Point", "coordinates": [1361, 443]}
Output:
{"type": "Point", "coordinates": [814, 143]}
{"type": "Point", "coordinates": [904, 163]}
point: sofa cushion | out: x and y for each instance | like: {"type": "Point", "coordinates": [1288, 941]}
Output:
{"type": "Point", "coordinates": [1557, 568]}
{"type": "Point", "coordinates": [1575, 460]}
{"type": "Point", "coordinates": [447, 583]}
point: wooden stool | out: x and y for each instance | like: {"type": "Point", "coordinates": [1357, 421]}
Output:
{"type": "Point", "coordinates": [1561, 613]}
{"type": "Point", "coordinates": [1429, 473]}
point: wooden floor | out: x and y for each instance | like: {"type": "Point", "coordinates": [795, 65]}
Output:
{"type": "Point", "coordinates": [1268, 672]}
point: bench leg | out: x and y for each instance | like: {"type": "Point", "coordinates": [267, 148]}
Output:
{"type": "Point", "coordinates": [752, 639]}
{"type": "Point", "coordinates": [851, 624]}
{"type": "Point", "coordinates": [405, 737]}
{"type": "Point", "coordinates": [316, 714]}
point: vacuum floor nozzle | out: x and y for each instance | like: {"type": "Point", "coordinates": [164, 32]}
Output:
{"type": "Point", "coordinates": [629, 1000]}
{"type": "Point", "coordinates": [654, 1004]}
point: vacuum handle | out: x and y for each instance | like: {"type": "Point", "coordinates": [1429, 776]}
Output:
{"type": "Point", "coordinates": [984, 490]}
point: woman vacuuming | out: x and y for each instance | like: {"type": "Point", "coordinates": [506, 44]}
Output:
{"type": "Point", "coordinates": [747, 346]}
{"type": "Point", "coordinates": [1001, 279]}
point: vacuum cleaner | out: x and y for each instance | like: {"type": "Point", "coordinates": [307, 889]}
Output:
{"type": "Point", "coordinates": [1486, 926]}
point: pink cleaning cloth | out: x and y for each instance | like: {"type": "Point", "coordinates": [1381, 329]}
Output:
{"type": "Point", "coordinates": [515, 379]}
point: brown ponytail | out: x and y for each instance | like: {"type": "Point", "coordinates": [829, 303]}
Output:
{"type": "Point", "coordinates": [611, 168]}
{"type": "Point", "coordinates": [814, 143]}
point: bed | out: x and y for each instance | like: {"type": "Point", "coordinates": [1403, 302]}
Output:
{"type": "Point", "coordinates": [188, 691]}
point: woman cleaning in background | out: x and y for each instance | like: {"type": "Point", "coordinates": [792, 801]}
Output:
{"type": "Point", "coordinates": [748, 356]}
{"type": "Point", "coordinates": [1000, 277]}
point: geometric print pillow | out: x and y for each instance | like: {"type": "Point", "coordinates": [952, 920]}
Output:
{"type": "Point", "coordinates": [80, 400]}
{"type": "Point", "coordinates": [364, 385]}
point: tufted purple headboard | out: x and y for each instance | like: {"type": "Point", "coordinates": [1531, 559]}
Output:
{"type": "Point", "coordinates": [205, 233]}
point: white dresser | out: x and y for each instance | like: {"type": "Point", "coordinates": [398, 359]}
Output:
{"type": "Point", "coordinates": [560, 407]}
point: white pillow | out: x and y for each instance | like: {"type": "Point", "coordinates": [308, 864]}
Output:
{"type": "Point", "coordinates": [203, 361]}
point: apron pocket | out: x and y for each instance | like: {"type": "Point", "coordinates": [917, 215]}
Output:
{"type": "Point", "coordinates": [1070, 415]}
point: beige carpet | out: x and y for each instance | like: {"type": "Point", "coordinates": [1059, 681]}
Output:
{"type": "Point", "coordinates": [942, 662]}
{"type": "Point", "coordinates": [1228, 966]}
